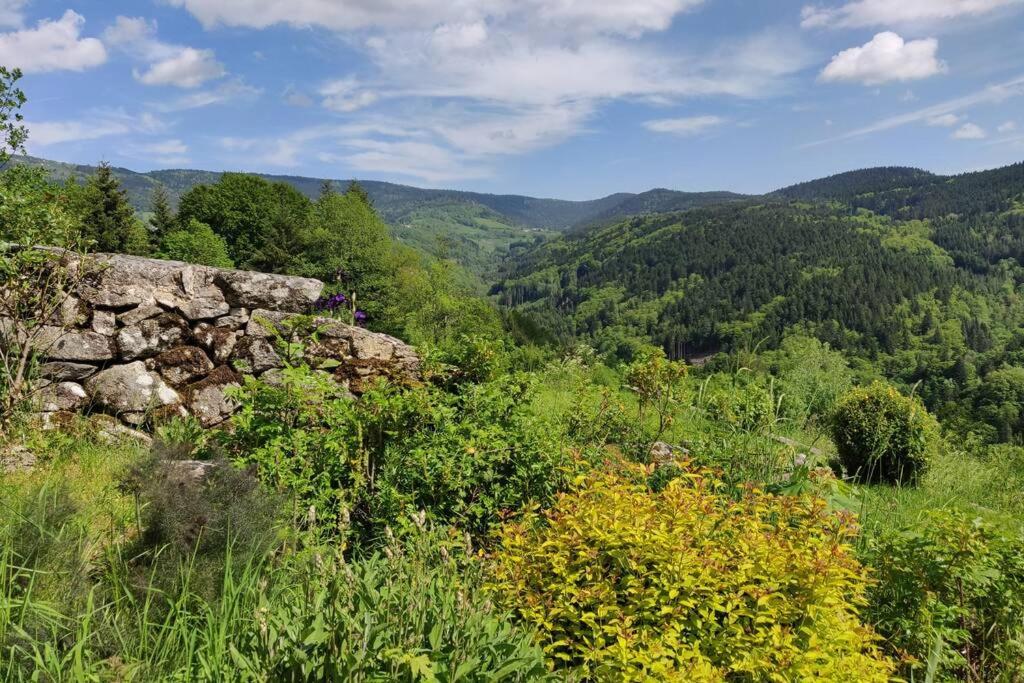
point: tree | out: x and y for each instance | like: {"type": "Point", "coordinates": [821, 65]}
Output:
{"type": "Point", "coordinates": [163, 221]}
{"type": "Point", "coordinates": [12, 99]}
{"type": "Point", "coordinates": [108, 219]}
{"type": "Point", "coordinates": [327, 188]}
{"type": "Point", "coordinates": [196, 243]}
{"type": "Point", "coordinates": [357, 190]}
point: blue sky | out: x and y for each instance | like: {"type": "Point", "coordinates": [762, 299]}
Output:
{"type": "Point", "coordinates": [558, 98]}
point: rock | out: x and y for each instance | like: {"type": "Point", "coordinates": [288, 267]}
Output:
{"type": "Point", "coordinates": [130, 391]}
{"type": "Point", "coordinates": [274, 292]}
{"type": "Point", "coordinates": [146, 310]}
{"type": "Point", "coordinates": [665, 454]}
{"type": "Point", "coordinates": [205, 304]}
{"type": "Point", "coordinates": [151, 336]}
{"type": "Point", "coordinates": [104, 322]}
{"type": "Point", "coordinates": [60, 397]}
{"type": "Point", "coordinates": [187, 472]}
{"type": "Point", "coordinates": [16, 458]}
{"type": "Point", "coordinates": [70, 313]}
{"type": "Point", "coordinates": [267, 324]}
{"type": "Point", "coordinates": [58, 344]}
{"type": "Point", "coordinates": [235, 320]}
{"type": "Point", "coordinates": [59, 371]}
{"type": "Point", "coordinates": [121, 281]}
{"type": "Point", "coordinates": [206, 399]}
{"type": "Point", "coordinates": [218, 341]}
{"type": "Point", "coordinates": [254, 355]}
{"type": "Point", "coordinates": [181, 365]}
{"type": "Point", "coordinates": [369, 346]}
{"type": "Point", "coordinates": [110, 431]}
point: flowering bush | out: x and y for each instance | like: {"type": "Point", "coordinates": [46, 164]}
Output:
{"type": "Point", "coordinates": [690, 585]}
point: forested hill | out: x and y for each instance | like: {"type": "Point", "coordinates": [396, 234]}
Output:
{"type": "Point", "coordinates": [919, 274]}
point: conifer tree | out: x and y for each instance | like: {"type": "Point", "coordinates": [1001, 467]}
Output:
{"type": "Point", "coordinates": [109, 219]}
{"type": "Point", "coordinates": [163, 220]}
{"type": "Point", "coordinates": [357, 190]}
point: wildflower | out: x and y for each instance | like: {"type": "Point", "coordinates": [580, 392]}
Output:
{"type": "Point", "coordinates": [360, 317]}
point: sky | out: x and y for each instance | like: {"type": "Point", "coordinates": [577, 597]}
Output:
{"type": "Point", "coordinates": [573, 99]}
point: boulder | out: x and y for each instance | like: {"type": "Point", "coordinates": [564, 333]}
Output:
{"type": "Point", "coordinates": [207, 401]}
{"type": "Point", "coordinates": [254, 355]}
{"type": "Point", "coordinates": [60, 397]}
{"type": "Point", "coordinates": [104, 322]}
{"type": "Point", "coordinates": [181, 365]}
{"type": "Point", "coordinates": [235, 320]}
{"type": "Point", "coordinates": [59, 344]}
{"type": "Point", "coordinates": [144, 311]}
{"type": "Point", "coordinates": [151, 336]}
{"type": "Point", "coordinates": [120, 281]}
{"type": "Point", "coordinates": [60, 371]}
{"type": "Point", "coordinates": [205, 303]}
{"type": "Point", "coordinates": [218, 341]}
{"type": "Point", "coordinates": [264, 323]}
{"type": "Point", "coordinates": [130, 391]}
{"type": "Point", "coordinates": [274, 292]}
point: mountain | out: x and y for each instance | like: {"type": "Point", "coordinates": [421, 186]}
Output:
{"type": "Point", "coordinates": [657, 201]}
{"type": "Point", "coordinates": [914, 273]}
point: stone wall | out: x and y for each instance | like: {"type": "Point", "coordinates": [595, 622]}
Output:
{"type": "Point", "coordinates": [143, 338]}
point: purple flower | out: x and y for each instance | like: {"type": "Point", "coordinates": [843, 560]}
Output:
{"type": "Point", "coordinates": [331, 303]}
{"type": "Point", "coordinates": [360, 317]}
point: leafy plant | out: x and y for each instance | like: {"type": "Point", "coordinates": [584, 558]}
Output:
{"type": "Point", "coordinates": [882, 435]}
{"type": "Point", "coordinates": [689, 584]}
{"type": "Point", "coordinates": [949, 596]}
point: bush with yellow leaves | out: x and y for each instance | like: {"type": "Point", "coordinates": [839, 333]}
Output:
{"type": "Point", "coordinates": [689, 584]}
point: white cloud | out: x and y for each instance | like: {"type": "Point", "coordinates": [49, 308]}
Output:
{"type": "Point", "coordinates": [944, 120]}
{"type": "Point", "coordinates": [625, 18]}
{"type": "Point", "coordinates": [228, 92]}
{"type": "Point", "coordinates": [95, 125]}
{"type": "Point", "coordinates": [190, 68]}
{"type": "Point", "coordinates": [970, 131]}
{"type": "Point", "coordinates": [296, 97]}
{"type": "Point", "coordinates": [862, 13]}
{"type": "Point", "coordinates": [993, 94]}
{"type": "Point", "coordinates": [346, 95]}
{"type": "Point", "coordinates": [685, 127]}
{"type": "Point", "coordinates": [168, 64]}
{"type": "Point", "coordinates": [11, 14]}
{"type": "Point", "coordinates": [167, 152]}
{"type": "Point", "coordinates": [53, 45]}
{"type": "Point", "coordinates": [1007, 127]}
{"type": "Point", "coordinates": [887, 57]}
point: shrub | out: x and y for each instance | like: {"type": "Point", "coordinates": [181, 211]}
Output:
{"type": "Point", "coordinates": [949, 598]}
{"type": "Point", "coordinates": [690, 584]}
{"type": "Point", "coordinates": [196, 243]}
{"type": "Point", "coordinates": [883, 436]}
{"type": "Point", "coordinates": [464, 457]}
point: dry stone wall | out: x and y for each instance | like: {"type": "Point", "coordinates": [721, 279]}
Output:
{"type": "Point", "coordinates": [142, 338]}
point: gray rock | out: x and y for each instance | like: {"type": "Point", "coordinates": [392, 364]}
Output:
{"type": "Point", "coordinates": [60, 344]}
{"type": "Point", "coordinates": [130, 389]}
{"type": "Point", "coordinates": [121, 281]}
{"type": "Point", "coordinates": [151, 336]}
{"type": "Point", "coordinates": [207, 401]}
{"type": "Point", "coordinates": [235, 320]}
{"type": "Point", "coordinates": [16, 458]}
{"type": "Point", "coordinates": [254, 355]}
{"type": "Point", "coordinates": [104, 322]}
{"type": "Point", "coordinates": [274, 292]}
{"type": "Point", "coordinates": [266, 324]}
{"type": "Point", "coordinates": [111, 431]}
{"type": "Point", "coordinates": [60, 397]}
{"type": "Point", "coordinates": [219, 342]}
{"type": "Point", "coordinates": [181, 365]}
{"type": "Point", "coordinates": [205, 303]}
{"type": "Point", "coordinates": [144, 311]}
{"type": "Point", "coordinates": [59, 371]}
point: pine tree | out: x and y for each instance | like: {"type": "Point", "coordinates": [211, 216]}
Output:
{"type": "Point", "coordinates": [327, 189]}
{"type": "Point", "coordinates": [163, 220]}
{"type": "Point", "coordinates": [109, 219]}
{"type": "Point", "coordinates": [355, 189]}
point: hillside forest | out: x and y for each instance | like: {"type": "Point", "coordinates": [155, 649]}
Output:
{"type": "Point", "coordinates": [658, 437]}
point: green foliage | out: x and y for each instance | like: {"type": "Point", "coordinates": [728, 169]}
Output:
{"type": "Point", "coordinates": [688, 584]}
{"type": "Point", "coordinates": [108, 219]}
{"type": "Point", "coordinates": [884, 436]}
{"type": "Point", "coordinates": [465, 457]}
{"type": "Point", "coordinates": [197, 243]}
{"type": "Point", "coordinates": [948, 597]}
{"type": "Point", "coordinates": [163, 220]}
{"type": "Point", "coordinates": [12, 99]}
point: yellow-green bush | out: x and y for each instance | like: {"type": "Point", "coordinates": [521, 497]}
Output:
{"type": "Point", "coordinates": [689, 584]}
{"type": "Point", "coordinates": [882, 435]}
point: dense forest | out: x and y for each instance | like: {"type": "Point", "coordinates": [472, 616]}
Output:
{"type": "Point", "coordinates": [913, 274]}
